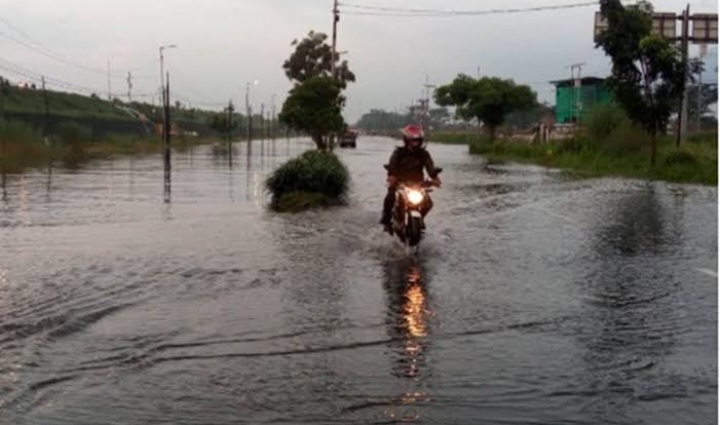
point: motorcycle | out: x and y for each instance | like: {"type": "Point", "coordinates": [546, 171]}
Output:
{"type": "Point", "coordinates": [407, 219]}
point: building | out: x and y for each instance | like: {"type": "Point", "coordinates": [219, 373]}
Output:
{"type": "Point", "coordinates": [572, 100]}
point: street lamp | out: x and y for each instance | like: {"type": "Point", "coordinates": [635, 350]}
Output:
{"type": "Point", "coordinates": [162, 83]}
{"type": "Point", "coordinates": [247, 104]}
{"type": "Point", "coordinates": [162, 71]}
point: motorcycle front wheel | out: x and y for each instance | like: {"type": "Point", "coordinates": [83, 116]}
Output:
{"type": "Point", "coordinates": [414, 231]}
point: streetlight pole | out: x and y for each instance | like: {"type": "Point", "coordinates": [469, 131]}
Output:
{"type": "Point", "coordinates": [247, 108]}
{"type": "Point", "coordinates": [162, 79]}
{"type": "Point", "coordinates": [272, 117]}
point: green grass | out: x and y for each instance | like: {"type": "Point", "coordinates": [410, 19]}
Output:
{"type": "Point", "coordinates": [311, 180]}
{"type": "Point", "coordinates": [22, 147]}
{"type": "Point", "coordinates": [695, 162]}
{"type": "Point", "coordinates": [451, 137]}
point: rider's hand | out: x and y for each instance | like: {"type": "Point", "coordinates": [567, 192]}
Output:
{"type": "Point", "coordinates": [391, 180]}
{"type": "Point", "coordinates": [437, 182]}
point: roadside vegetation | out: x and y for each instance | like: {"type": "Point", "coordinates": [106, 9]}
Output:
{"type": "Point", "coordinates": [314, 179]}
{"type": "Point", "coordinates": [314, 107]}
{"type": "Point", "coordinates": [627, 137]}
{"type": "Point", "coordinates": [608, 145]}
{"type": "Point", "coordinates": [23, 147]}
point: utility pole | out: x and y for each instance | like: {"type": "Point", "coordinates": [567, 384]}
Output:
{"type": "Point", "coordinates": [273, 118]}
{"type": "Point", "coordinates": [426, 103]}
{"type": "Point", "coordinates": [262, 121]}
{"type": "Point", "coordinates": [47, 109]}
{"type": "Point", "coordinates": [109, 83]}
{"type": "Point", "coordinates": [129, 82]}
{"type": "Point", "coordinates": [577, 89]}
{"type": "Point", "coordinates": [684, 41]}
{"type": "Point", "coordinates": [229, 120]}
{"type": "Point", "coordinates": [703, 52]}
{"type": "Point", "coordinates": [336, 18]}
{"type": "Point", "coordinates": [166, 124]}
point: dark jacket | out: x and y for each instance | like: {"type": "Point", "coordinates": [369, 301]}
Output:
{"type": "Point", "coordinates": [407, 165]}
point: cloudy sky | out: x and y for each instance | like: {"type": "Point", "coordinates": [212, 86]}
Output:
{"type": "Point", "coordinates": [223, 44]}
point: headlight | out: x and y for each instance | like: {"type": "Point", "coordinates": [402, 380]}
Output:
{"type": "Point", "coordinates": [414, 196]}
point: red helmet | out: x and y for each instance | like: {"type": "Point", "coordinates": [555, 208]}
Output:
{"type": "Point", "coordinates": [413, 133]}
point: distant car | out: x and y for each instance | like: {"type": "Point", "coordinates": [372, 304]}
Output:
{"type": "Point", "coordinates": [349, 139]}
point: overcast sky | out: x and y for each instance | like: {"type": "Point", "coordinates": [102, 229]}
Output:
{"type": "Point", "coordinates": [223, 44]}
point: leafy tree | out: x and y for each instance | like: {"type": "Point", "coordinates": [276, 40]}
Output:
{"type": "Point", "coordinates": [314, 107]}
{"type": "Point", "coordinates": [313, 58]}
{"type": "Point", "coordinates": [224, 122]}
{"type": "Point", "coordinates": [315, 103]}
{"type": "Point", "coordinates": [647, 73]}
{"type": "Point", "coordinates": [488, 99]}
{"type": "Point", "coordinates": [380, 120]}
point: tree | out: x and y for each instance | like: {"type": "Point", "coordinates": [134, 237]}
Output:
{"type": "Point", "coordinates": [380, 120]}
{"type": "Point", "coordinates": [315, 103]}
{"type": "Point", "coordinates": [314, 107]}
{"type": "Point", "coordinates": [313, 58]}
{"type": "Point", "coordinates": [223, 122]}
{"type": "Point", "coordinates": [647, 73]}
{"type": "Point", "coordinates": [488, 99]}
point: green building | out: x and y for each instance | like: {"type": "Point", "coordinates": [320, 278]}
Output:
{"type": "Point", "coordinates": [572, 102]}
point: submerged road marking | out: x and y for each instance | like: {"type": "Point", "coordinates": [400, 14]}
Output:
{"type": "Point", "coordinates": [708, 272]}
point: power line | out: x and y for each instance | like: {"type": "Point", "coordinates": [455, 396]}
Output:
{"type": "Point", "coordinates": [37, 76]}
{"type": "Point", "coordinates": [39, 48]}
{"type": "Point", "coordinates": [365, 10]}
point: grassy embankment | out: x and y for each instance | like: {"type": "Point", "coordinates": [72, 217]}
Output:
{"type": "Point", "coordinates": [608, 146]}
{"type": "Point", "coordinates": [80, 128]}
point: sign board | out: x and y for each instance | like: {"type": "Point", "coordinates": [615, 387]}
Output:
{"type": "Point", "coordinates": [664, 25]}
{"type": "Point", "coordinates": [705, 27]}
{"type": "Point", "coordinates": [600, 25]}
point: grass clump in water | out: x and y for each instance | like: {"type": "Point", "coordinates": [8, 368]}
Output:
{"type": "Point", "coordinates": [314, 179]}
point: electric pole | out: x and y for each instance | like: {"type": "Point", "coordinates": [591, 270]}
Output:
{"type": "Point", "coordinates": [129, 83]}
{"type": "Point", "coordinates": [229, 120]}
{"type": "Point", "coordinates": [426, 104]}
{"type": "Point", "coordinates": [262, 121]}
{"type": "Point", "coordinates": [577, 89]}
{"type": "Point", "coordinates": [47, 108]}
{"type": "Point", "coordinates": [336, 18]}
{"type": "Point", "coordinates": [109, 83]}
{"type": "Point", "coordinates": [703, 52]}
{"type": "Point", "coordinates": [684, 41]}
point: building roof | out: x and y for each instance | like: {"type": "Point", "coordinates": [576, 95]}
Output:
{"type": "Point", "coordinates": [585, 81]}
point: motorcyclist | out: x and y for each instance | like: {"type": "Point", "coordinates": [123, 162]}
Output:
{"type": "Point", "coordinates": [406, 166]}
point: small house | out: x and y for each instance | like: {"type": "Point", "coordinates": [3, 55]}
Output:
{"type": "Point", "coordinates": [574, 97]}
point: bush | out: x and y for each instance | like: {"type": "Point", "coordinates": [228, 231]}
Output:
{"type": "Point", "coordinates": [680, 158]}
{"type": "Point", "coordinates": [70, 133]}
{"type": "Point", "coordinates": [314, 172]}
{"type": "Point", "coordinates": [19, 132]}
{"type": "Point", "coordinates": [603, 120]}
{"type": "Point", "coordinates": [626, 140]}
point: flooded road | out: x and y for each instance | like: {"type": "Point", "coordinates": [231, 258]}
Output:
{"type": "Point", "coordinates": [535, 299]}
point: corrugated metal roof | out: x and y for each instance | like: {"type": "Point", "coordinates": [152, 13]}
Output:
{"type": "Point", "coordinates": [584, 81]}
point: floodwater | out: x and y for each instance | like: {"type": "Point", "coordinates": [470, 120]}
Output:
{"type": "Point", "coordinates": [535, 298]}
